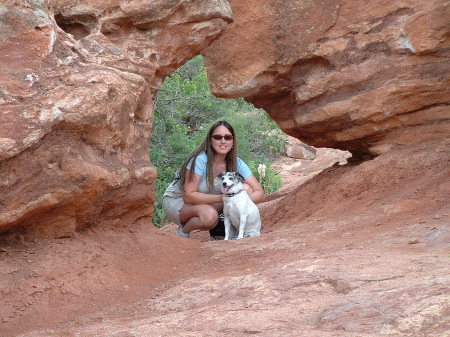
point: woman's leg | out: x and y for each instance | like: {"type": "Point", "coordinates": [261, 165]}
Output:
{"type": "Point", "coordinates": [200, 217]}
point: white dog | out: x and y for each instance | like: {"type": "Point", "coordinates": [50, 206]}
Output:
{"type": "Point", "coordinates": [240, 211]}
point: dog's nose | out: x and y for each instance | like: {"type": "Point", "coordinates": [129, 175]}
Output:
{"type": "Point", "coordinates": [224, 184]}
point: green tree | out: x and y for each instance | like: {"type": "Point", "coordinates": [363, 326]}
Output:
{"type": "Point", "coordinates": [184, 111]}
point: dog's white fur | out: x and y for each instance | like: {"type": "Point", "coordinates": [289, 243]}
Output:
{"type": "Point", "coordinates": [240, 211]}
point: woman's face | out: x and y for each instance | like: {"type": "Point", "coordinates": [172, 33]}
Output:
{"type": "Point", "coordinates": [222, 140]}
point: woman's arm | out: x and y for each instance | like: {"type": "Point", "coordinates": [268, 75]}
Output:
{"type": "Point", "coordinates": [256, 192]}
{"type": "Point", "coordinates": [193, 197]}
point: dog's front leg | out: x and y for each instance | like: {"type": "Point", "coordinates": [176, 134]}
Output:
{"type": "Point", "coordinates": [242, 223]}
{"type": "Point", "coordinates": [227, 225]}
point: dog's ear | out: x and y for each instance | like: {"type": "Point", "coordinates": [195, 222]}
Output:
{"type": "Point", "coordinates": [221, 175]}
{"type": "Point", "coordinates": [239, 177]}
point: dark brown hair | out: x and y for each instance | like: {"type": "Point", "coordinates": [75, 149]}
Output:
{"type": "Point", "coordinates": [205, 146]}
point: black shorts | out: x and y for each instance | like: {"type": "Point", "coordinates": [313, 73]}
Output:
{"type": "Point", "coordinates": [219, 230]}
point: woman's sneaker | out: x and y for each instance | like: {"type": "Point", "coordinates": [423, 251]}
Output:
{"type": "Point", "coordinates": [181, 233]}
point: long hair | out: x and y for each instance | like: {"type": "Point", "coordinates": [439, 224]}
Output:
{"type": "Point", "coordinates": [205, 146]}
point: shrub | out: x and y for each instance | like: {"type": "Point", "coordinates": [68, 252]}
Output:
{"type": "Point", "coordinates": [184, 111]}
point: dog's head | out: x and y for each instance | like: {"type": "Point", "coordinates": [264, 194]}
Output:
{"type": "Point", "coordinates": [231, 182]}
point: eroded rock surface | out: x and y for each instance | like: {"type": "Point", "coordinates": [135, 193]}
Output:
{"type": "Point", "coordinates": [361, 76]}
{"type": "Point", "coordinates": [335, 259]}
{"type": "Point", "coordinates": [77, 83]}
{"type": "Point", "coordinates": [354, 251]}
{"type": "Point", "coordinates": [296, 149]}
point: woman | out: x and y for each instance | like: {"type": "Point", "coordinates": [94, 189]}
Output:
{"type": "Point", "coordinates": [192, 201]}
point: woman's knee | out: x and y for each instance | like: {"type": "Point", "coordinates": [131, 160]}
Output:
{"type": "Point", "coordinates": [209, 217]}
{"type": "Point", "coordinates": [206, 216]}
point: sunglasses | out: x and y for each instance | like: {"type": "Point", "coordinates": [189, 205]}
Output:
{"type": "Point", "coordinates": [219, 137]}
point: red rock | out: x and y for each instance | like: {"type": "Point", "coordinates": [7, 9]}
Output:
{"type": "Point", "coordinates": [365, 77]}
{"type": "Point", "coordinates": [75, 123]}
{"type": "Point", "coordinates": [77, 83]}
{"type": "Point", "coordinates": [296, 149]}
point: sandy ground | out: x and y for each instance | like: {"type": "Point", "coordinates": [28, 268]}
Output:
{"type": "Point", "coordinates": [346, 250]}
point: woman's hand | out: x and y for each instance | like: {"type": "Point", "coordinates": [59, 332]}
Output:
{"type": "Point", "coordinates": [193, 197]}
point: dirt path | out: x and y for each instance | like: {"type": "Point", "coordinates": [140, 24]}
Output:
{"type": "Point", "coordinates": [353, 251]}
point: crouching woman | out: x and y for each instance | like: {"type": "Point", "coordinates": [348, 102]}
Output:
{"type": "Point", "coordinates": [193, 200]}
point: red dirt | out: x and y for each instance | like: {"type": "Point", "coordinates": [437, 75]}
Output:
{"type": "Point", "coordinates": [355, 250]}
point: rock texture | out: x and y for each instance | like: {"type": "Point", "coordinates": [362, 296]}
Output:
{"type": "Point", "coordinates": [296, 149]}
{"type": "Point", "coordinates": [76, 89]}
{"type": "Point", "coordinates": [356, 251]}
{"type": "Point", "coordinates": [349, 251]}
{"type": "Point", "coordinates": [361, 76]}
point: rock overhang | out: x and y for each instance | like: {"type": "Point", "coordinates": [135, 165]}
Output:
{"type": "Point", "coordinates": [361, 77]}
{"type": "Point", "coordinates": [77, 105]}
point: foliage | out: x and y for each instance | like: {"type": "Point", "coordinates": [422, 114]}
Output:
{"type": "Point", "coordinates": [270, 180]}
{"type": "Point", "coordinates": [184, 111]}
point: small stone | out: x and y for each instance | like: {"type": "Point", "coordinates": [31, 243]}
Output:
{"type": "Point", "coordinates": [296, 149]}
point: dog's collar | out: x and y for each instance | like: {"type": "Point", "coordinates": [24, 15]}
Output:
{"type": "Point", "coordinates": [229, 195]}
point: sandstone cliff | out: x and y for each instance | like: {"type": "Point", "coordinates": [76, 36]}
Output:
{"type": "Point", "coordinates": [365, 76]}
{"type": "Point", "coordinates": [77, 83]}
{"type": "Point", "coordinates": [355, 251]}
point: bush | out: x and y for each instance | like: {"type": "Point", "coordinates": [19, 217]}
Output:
{"type": "Point", "coordinates": [270, 180]}
{"type": "Point", "coordinates": [184, 111]}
